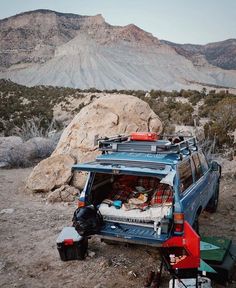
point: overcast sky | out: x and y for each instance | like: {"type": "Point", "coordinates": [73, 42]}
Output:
{"type": "Point", "coordinates": [180, 21]}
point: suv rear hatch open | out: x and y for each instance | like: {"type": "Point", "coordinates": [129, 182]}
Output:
{"type": "Point", "coordinates": [136, 205]}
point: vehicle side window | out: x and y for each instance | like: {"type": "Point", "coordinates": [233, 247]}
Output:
{"type": "Point", "coordinates": [185, 174]}
{"type": "Point", "coordinates": [198, 166]}
{"type": "Point", "coordinates": [203, 162]}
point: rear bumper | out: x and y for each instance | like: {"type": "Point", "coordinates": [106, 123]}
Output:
{"type": "Point", "coordinates": [134, 234]}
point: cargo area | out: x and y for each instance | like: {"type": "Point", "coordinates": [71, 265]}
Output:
{"type": "Point", "coordinates": [133, 199]}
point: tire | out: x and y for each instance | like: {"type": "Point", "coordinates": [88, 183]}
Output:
{"type": "Point", "coordinates": [196, 224]}
{"type": "Point", "coordinates": [213, 202]}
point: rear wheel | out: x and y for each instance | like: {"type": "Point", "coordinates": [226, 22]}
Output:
{"type": "Point", "coordinates": [196, 224]}
{"type": "Point", "coordinates": [213, 203]}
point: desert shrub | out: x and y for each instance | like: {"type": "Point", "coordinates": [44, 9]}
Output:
{"type": "Point", "coordinates": [211, 100]}
{"type": "Point", "coordinates": [185, 93]}
{"type": "Point", "coordinates": [16, 157]}
{"type": "Point", "coordinates": [168, 128]}
{"type": "Point", "coordinates": [213, 130]}
{"type": "Point", "coordinates": [172, 111]}
{"type": "Point", "coordinates": [19, 103]}
{"type": "Point", "coordinates": [93, 90]}
{"type": "Point", "coordinates": [139, 93]}
{"type": "Point", "coordinates": [77, 109]}
{"type": "Point", "coordinates": [36, 127]}
{"type": "Point", "coordinates": [28, 153]}
{"type": "Point", "coordinates": [111, 91]}
{"type": "Point", "coordinates": [92, 97]}
{"type": "Point", "coordinates": [223, 122]}
{"type": "Point", "coordinates": [42, 147]}
{"type": "Point", "coordinates": [203, 111]}
{"type": "Point", "coordinates": [208, 146]}
{"type": "Point", "coordinates": [195, 98]}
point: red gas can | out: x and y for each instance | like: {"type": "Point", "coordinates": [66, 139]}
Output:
{"type": "Point", "coordinates": [144, 136]}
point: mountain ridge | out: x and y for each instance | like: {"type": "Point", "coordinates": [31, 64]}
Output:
{"type": "Point", "coordinates": [44, 11]}
{"type": "Point", "coordinates": [216, 53]}
{"type": "Point", "coordinates": [66, 49]}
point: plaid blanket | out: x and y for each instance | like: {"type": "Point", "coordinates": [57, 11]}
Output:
{"type": "Point", "coordinates": [124, 186]}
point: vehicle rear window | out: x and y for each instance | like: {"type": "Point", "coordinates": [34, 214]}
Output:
{"type": "Point", "coordinates": [197, 165]}
{"type": "Point", "coordinates": [185, 174]}
{"type": "Point", "coordinates": [203, 161]}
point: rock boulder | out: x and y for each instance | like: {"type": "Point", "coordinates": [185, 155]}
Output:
{"type": "Point", "coordinates": [79, 179]}
{"type": "Point", "coordinates": [51, 173]}
{"type": "Point", "coordinates": [65, 193]}
{"type": "Point", "coordinates": [107, 116]}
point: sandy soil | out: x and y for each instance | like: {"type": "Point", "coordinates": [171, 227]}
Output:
{"type": "Point", "coordinates": [28, 254]}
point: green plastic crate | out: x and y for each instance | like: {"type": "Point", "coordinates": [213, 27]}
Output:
{"type": "Point", "coordinates": [216, 255]}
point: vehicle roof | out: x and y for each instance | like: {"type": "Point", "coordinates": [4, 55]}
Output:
{"type": "Point", "coordinates": [168, 159]}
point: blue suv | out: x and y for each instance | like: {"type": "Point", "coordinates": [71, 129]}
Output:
{"type": "Point", "coordinates": [146, 188]}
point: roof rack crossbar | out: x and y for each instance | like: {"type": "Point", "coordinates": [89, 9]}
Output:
{"type": "Point", "coordinates": [187, 144]}
{"type": "Point", "coordinates": [122, 143]}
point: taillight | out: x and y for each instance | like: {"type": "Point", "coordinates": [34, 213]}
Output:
{"type": "Point", "coordinates": [178, 222]}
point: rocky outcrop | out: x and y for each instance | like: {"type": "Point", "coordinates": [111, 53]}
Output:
{"type": "Point", "coordinates": [107, 116]}
{"type": "Point", "coordinates": [221, 54]}
{"type": "Point", "coordinates": [79, 179]}
{"type": "Point", "coordinates": [51, 173]}
{"type": "Point", "coordinates": [65, 193]}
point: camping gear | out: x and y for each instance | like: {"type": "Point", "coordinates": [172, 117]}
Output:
{"type": "Point", "coordinates": [222, 259]}
{"type": "Point", "coordinates": [186, 249]}
{"type": "Point", "coordinates": [134, 215]}
{"type": "Point", "coordinates": [87, 220]}
{"type": "Point", "coordinates": [117, 204]}
{"type": "Point", "coordinates": [70, 245]}
{"type": "Point", "coordinates": [144, 136]}
{"type": "Point", "coordinates": [202, 282]}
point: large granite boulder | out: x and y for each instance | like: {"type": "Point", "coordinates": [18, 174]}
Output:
{"type": "Point", "coordinates": [106, 116]}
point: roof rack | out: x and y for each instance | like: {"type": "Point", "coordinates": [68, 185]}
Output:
{"type": "Point", "coordinates": [124, 144]}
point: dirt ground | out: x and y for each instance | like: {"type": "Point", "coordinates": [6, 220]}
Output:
{"type": "Point", "coordinates": [29, 228]}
